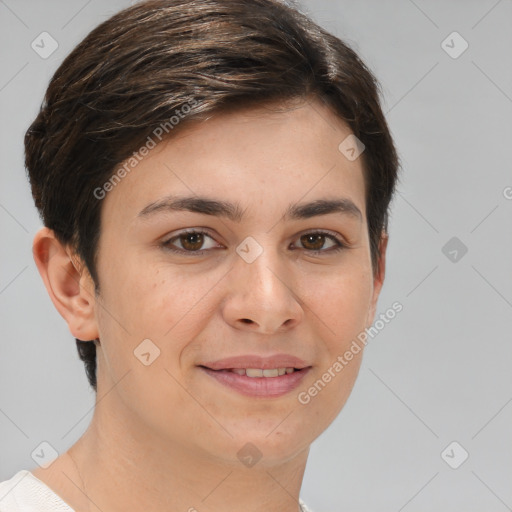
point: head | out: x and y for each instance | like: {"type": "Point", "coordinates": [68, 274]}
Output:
{"type": "Point", "coordinates": [228, 116]}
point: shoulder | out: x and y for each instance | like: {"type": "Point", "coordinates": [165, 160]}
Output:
{"type": "Point", "coordinates": [24, 492]}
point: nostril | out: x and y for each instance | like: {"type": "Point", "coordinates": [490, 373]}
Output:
{"type": "Point", "coordinates": [246, 321]}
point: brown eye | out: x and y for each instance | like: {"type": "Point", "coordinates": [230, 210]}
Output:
{"type": "Point", "coordinates": [191, 241]}
{"type": "Point", "coordinates": [313, 242]}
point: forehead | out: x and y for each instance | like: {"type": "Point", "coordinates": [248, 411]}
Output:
{"type": "Point", "coordinates": [259, 158]}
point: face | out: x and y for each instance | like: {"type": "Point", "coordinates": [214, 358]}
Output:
{"type": "Point", "coordinates": [251, 271]}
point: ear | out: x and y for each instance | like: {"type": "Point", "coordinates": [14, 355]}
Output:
{"type": "Point", "coordinates": [68, 283]}
{"type": "Point", "coordinates": [378, 279]}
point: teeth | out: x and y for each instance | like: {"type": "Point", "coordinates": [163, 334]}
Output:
{"type": "Point", "coordinates": [253, 372]}
{"type": "Point", "coordinates": [258, 372]}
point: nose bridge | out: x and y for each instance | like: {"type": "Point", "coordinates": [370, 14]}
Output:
{"type": "Point", "coordinates": [261, 267]}
{"type": "Point", "coordinates": [261, 294]}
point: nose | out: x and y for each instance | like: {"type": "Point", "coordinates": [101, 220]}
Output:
{"type": "Point", "coordinates": [260, 296]}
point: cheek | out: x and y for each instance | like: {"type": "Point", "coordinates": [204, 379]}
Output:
{"type": "Point", "coordinates": [342, 303]}
{"type": "Point", "coordinates": [170, 307]}
{"type": "Point", "coordinates": [341, 309]}
{"type": "Point", "coordinates": [149, 299]}
{"type": "Point", "coordinates": [170, 311]}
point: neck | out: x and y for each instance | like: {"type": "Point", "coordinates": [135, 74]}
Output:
{"type": "Point", "coordinates": [119, 464]}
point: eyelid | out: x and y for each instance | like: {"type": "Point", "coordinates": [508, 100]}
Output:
{"type": "Point", "coordinates": [340, 242]}
{"type": "Point", "coordinates": [320, 231]}
{"type": "Point", "coordinates": [199, 230]}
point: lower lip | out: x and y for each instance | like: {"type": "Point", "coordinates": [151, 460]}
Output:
{"type": "Point", "coordinates": [259, 386]}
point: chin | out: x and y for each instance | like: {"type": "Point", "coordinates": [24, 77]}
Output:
{"type": "Point", "coordinates": [264, 447]}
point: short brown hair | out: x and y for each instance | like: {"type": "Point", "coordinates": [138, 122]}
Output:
{"type": "Point", "coordinates": [138, 68]}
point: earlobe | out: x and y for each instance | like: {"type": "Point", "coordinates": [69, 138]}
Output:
{"type": "Point", "coordinates": [378, 279]}
{"type": "Point", "coordinates": [68, 284]}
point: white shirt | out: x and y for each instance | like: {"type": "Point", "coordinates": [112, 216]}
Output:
{"type": "Point", "coordinates": [26, 493]}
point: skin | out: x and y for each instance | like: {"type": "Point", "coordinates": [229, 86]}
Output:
{"type": "Point", "coordinates": [166, 435]}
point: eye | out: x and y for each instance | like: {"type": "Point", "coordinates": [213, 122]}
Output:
{"type": "Point", "coordinates": [189, 242]}
{"type": "Point", "coordinates": [314, 242]}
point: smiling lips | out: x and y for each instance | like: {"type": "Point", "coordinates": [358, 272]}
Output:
{"type": "Point", "coordinates": [271, 376]}
{"type": "Point", "coordinates": [260, 372]}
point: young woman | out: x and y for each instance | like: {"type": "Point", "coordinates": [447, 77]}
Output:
{"type": "Point", "coordinates": [214, 178]}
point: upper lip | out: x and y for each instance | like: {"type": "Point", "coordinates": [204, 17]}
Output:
{"type": "Point", "coordinates": [255, 361]}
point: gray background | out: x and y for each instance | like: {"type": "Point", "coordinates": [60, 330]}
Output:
{"type": "Point", "coordinates": [439, 372]}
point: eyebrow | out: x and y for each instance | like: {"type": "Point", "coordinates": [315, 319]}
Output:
{"type": "Point", "coordinates": [235, 213]}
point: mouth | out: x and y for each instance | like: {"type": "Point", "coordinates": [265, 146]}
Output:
{"type": "Point", "coordinates": [258, 372]}
{"type": "Point", "coordinates": [258, 382]}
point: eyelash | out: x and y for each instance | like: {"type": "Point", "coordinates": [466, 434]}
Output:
{"type": "Point", "coordinates": [339, 244]}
